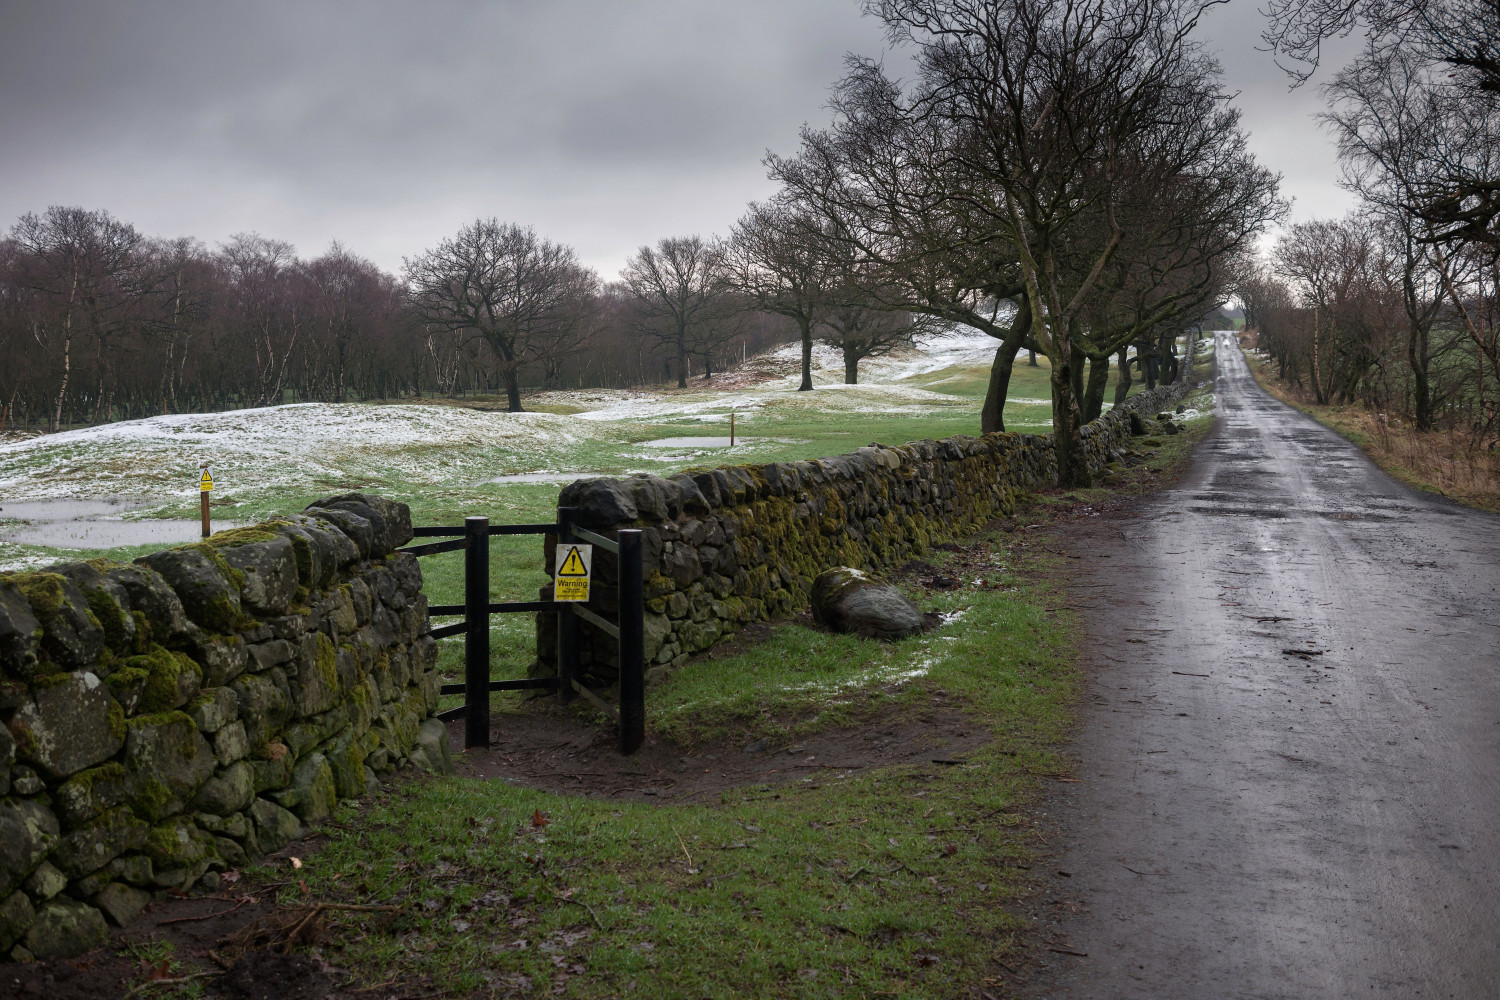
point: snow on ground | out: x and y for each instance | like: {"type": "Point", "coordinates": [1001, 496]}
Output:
{"type": "Point", "coordinates": [273, 448]}
{"type": "Point", "coordinates": [260, 456]}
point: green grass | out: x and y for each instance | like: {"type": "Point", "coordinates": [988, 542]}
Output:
{"type": "Point", "coordinates": [892, 881]}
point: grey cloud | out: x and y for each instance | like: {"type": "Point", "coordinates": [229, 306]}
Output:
{"type": "Point", "coordinates": [387, 124]}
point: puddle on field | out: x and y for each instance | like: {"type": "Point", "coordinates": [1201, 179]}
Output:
{"type": "Point", "coordinates": [92, 524]}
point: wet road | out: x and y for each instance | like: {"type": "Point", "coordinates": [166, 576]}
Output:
{"type": "Point", "coordinates": [1309, 824]}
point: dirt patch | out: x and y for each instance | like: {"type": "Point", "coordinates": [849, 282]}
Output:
{"type": "Point", "coordinates": [558, 752]}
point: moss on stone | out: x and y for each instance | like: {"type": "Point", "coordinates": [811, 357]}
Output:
{"type": "Point", "coordinates": [110, 616]}
{"type": "Point", "coordinates": [327, 662]}
{"type": "Point", "coordinates": [232, 537]}
{"type": "Point", "coordinates": [43, 591]}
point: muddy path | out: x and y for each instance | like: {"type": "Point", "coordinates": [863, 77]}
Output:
{"type": "Point", "coordinates": [1288, 757]}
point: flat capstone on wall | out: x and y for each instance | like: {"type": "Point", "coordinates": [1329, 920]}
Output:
{"type": "Point", "coordinates": [169, 718]}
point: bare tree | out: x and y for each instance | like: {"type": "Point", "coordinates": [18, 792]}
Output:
{"type": "Point", "coordinates": [677, 287]}
{"type": "Point", "coordinates": [1045, 104]}
{"type": "Point", "coordinates": [503, 283]}
{"type": "Point", "coordinates": [777, 262]}
{"type": "Point", "coordinates": [858, 329]}
{"type": "Point", "coordinates": [80, 260]}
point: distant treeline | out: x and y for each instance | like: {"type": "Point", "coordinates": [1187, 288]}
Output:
{"type": "Point", "coordinates": [101, 323]}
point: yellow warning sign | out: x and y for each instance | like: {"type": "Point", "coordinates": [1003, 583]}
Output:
{"type": "Point", "coordinates": [205, 484]}
{"type": "Point", "coordinates": [571, 581]}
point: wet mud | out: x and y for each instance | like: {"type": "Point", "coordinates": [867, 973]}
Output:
{"type": "Point", "coordinates": [1288, 758]}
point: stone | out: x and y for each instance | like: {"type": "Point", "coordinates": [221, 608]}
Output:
{"type": "Point", "coordinates": [25, 781]}
{"type": "Point", "coordinates": [201, 578]}
{"type": "Point", "coordinates": [20, 633]}
{"type": "Point", "coordinates": [265, 704]}
{"type": "Point", "coordinates": [389, 522]}
{"type": "Point", "coordinates": [231, 743]}
{"type": "Point", "coordinates": [312, 787]}
{"type": "Point", "coordinates": [166, 761]}
{"type": "Point", "coordinates": [228, 791]}
{"type": "Point", "coordinates": [177, 846]}
{"type": "Point", "coordinates": [432, 737]}
{"type": "Point", "coordinates": [65, 928]}
{"type": "Point", "coordinates": [71, 637]}
{"type": "Point", "coordinates": [154, 600]}
{"type": "Point", "coordinates": [172, 679]}
{"type": "Point", "coordinates": [347, 758]}
{"type": "Point", "coordinates": [121, 903]}
{"type": "Point", "coordinates": [16, 915]}
{"type": "Point", "coordinates": [315, 677]}
{"type": "Point", "coordinates": [268, 574]}
{"type": "Point", "coordinates": [222, 657]}
{"type": "Point", "coordinates": [71, 722]}
{"type": "Point", "coordinates": [135, 869]}
{"type": "Point", "coordinates": [89, 793]}
{"type": "Point", "coordinates": [275, 827]}
{"type": "Point", "coordinates": [600, 502]}
{"type": "Point", "coordinates": [98, 842]}
{"type": "Point", "coordinates": [1137, 425]}
{"type": "Point", "coordinates": [214, 708]}
{"type": "Point", "coordinates": [108, 601]}
{"type": "Point", "coordinates": [849, 600]}
{"type": "Point", "coordinates": [28, 833]}
{"type": "Point", "coordinates": [45, 882]}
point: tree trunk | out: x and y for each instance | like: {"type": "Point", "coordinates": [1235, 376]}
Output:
{"type": "Point", "coordinates": [681, 355]}
{"type": "Point", "coordinates": [1122, 385]}
{"type": "Point", "coordinates": [992, 415]}
{"type": "Point", "coordinates": [851, 367]}
{"type": "Point", "coordinates": [806, 386]}
{"type": "Point", "coordinates": [1067, 422]}
{"type": "Point", "coordinates": [1416, 353]}
{"type": "Point", "coordinates": [1093, 393]}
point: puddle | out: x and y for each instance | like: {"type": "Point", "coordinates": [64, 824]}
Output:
{"type": "Point", "coordinates": [696, 442]}
{"type": "Point", "coordinates": [92, 524]}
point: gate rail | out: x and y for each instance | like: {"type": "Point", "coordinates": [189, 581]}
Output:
{"type": "Point", "coordinates": [628, 628]}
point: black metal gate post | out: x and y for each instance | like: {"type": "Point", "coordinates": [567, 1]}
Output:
{"type": "Point", "coordinates": [632, 641]}
{"type": "Point", "coordinates": [477, 632]}
{"type": "Point", "coordinates": [567, 622]}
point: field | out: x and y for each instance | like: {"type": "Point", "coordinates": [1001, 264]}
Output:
{"type": "Point", "coordinates": [869, 876]}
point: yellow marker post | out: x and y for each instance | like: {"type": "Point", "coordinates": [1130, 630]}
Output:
{"type": "Point", "coordinates": [205, 487]}
{"type": "Point", "coordinates": [571, 581]}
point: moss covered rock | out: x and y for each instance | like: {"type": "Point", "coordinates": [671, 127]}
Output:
{"type": "Point", "coordinates": [166, 761]}
{"type": "Point", "coordinates": [849, 600]}
{"type": "Point", "coordinates": [65, 928]}
{"type": "Point", "coordinates": [204, 582]}
{"type": "Point", "coordinates": [70, 722]}
{"type": "Point", "coordinates": [71, 635]}
{"type": "Point", "coordinates": [20, 633]}
{"type": "Point", "coordinates": [28, 833]}
{"type": "Point", "coordinates": [98, 842]}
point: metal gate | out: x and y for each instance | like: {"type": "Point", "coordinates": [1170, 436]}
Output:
{"type": "Point", "coordinates": [628, 628]}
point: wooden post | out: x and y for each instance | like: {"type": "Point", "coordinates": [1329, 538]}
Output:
{"type": "Point", "coordinates": [476, 632]}
{"type": "Point", "coordinates": [731, 428]}
{"type": "Point", "coordinates": [205, 486]}
{"type": "Point", "coordinates": [631, 594]}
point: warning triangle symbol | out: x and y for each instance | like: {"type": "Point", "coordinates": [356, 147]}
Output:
{"type": "Point", "coordinates": [573, 565]}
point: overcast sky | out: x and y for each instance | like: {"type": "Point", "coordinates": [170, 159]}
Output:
{"type": "Point", "coordinates": [386, 125]}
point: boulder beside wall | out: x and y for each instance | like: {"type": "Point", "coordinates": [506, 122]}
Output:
{"type": "Point", "coordinates": [850, 600]}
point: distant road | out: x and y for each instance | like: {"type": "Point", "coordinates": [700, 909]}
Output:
{"type": "Point", "coordinates": [1303, 826]}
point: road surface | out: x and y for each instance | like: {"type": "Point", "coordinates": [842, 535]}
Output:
{"type": "Point", "coordinates": [1317, 823]}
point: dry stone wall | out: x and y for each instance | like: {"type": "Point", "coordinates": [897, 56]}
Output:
{"type": "Point", "coordinates": [726, 547]}
{"type": "Point", "coordinates": [187, 712]}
